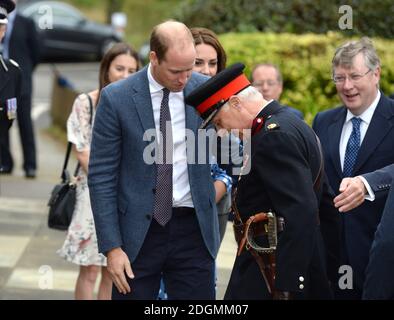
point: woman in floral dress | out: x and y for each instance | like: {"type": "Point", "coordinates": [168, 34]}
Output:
{"type": "Point", "coordinates": [80, 246]}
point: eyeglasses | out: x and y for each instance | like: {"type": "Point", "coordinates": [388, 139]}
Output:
{"type": "Point", "coordinates": [259, 84]}
{"type": "Point", "coordinates": [355, 77]}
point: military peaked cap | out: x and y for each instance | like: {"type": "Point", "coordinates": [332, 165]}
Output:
{"type": "Point", "coordinates": [214, 93]}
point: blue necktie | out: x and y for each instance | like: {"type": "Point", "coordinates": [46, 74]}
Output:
{"type": "Point", "coordinates": [353, 145]}
{"type": "Point", "coordinates": [162, 209]}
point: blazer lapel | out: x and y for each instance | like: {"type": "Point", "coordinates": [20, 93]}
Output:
{"type": "Point", "coordinates": [377, 130]}
{"type": "Point", "coordinates": [142, 100]}
{"type": "Point", "coordinates": [334, 133]}
{"type": "Point", "coordinates": [192, 118]}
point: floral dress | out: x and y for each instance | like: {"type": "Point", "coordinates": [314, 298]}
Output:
{"type": "Point", "coordinates": [80, 246]}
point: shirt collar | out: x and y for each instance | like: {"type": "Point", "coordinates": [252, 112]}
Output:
{"type": "Point", "coordinates": [258, 113]}
{"type": "Point", "coordinates": [154, 86]}
{"type": "Point", "coordinates": [366, 116]}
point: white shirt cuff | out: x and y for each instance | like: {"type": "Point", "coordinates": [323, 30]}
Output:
{"type": "Point", "coordinates": [370, 194]}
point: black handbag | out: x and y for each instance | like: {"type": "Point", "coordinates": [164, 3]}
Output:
{"type": "Point", "coordinates": [63, 197]}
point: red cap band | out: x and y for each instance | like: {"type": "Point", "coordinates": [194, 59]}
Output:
{"type": "Point", "coordinates": [232, 88]}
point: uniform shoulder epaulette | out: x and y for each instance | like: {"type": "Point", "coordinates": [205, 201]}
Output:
{"type": "Point", "coordinates": [271, 124]}
{"type": "Point", "coordinates": [14, 63]}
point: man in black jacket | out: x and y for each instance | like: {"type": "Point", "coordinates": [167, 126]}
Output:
{"type": "Point", "coordinates": [379, 280]}
{"type": "Point", "coordinates": [285, 178]}
{"type": "Point", "coordinates": [10, 82]}
{"type": "Point", "coordinates": [22, 45]}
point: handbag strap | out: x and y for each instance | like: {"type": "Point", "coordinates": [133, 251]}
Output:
{"type": "Point", "coordinates": [63, 175]}
{"type": "Point", "coordinates": [90, 109]}
{"type": "Point", "coordinates": [69, 145]}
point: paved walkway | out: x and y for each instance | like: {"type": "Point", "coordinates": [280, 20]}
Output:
{"type": "Point", "coordinates": [29, 266]}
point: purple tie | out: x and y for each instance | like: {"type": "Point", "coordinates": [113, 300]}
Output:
{"type": "Point", "coordinates": [162, 209]}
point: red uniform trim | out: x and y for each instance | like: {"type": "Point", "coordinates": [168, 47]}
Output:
{"type": "Point", "coordinates": [232, 88]}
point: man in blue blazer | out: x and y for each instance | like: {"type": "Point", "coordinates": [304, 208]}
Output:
{"type": "Point", "coordinates": [357, 138]}
{"type": "Point", "coordinates": [154, 219]}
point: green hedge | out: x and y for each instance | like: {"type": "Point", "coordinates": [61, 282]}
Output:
{"type": "Point", "coordinates": [305, 62]}
{"type": "Point", "coordinates": [370, 17]}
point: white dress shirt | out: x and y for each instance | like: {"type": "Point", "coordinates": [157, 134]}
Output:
{"type": "Point", "coordinates": [181, 194]}
{"type": "Point", "coordinates": [366, 118]}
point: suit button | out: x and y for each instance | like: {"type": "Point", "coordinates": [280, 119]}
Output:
{"type": "Point", "coordinates": [301, 286]}
{"type": "Point", "coordinates": [154, 190]}
{"type": "Point", "coordinates": [301, 278]}
{"type": "Point", "coordinates": [148, 216]}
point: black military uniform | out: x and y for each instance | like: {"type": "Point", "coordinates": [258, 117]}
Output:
{"type": "Point", "coordinates": [286, 177]}
{"type": "Point", "coordinates": [285, 162]}
{"type": "Point", "coordinates": [10, 82]}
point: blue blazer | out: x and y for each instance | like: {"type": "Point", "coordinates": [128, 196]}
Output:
{"type": "Point", "coordinates": [376, 152]}
{"type": "Point", "coordinates": [122, 184]}
{"type": "Point", "coordinates": [379, 281]}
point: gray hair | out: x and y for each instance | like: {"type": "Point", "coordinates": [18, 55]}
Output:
{"type": "Point", "coordinates": [345, 54]}
{"type": "Point", "coordinates": [249, 93]}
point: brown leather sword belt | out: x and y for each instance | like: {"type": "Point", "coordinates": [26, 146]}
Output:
{"type": "Point", "coordinates": [258, 225]}
{"type": "Point", "coordinates": [266, 258]}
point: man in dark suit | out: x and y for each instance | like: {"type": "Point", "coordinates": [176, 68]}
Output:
{"type": "Point", "coordinates": [378, 275]}
{"type": "Point", "coordinates": [154, 219]}
{"type": "Point", "coordinates": [267, 78]}
{"type": "Point", "coordinates": [357, 138]}
{"type": "Point", "coordinates": [379, 280]}
{"type": "Point", "coordinates": [10, 82]}
{"type": "Point", "coordinates": [286, 176]}
{"type": "Point", "coordinates": [22, 45]}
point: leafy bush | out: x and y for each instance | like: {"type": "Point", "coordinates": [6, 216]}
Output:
{"type": "Point", "coordinates": [370, 17]}
{"type": "Point", "coordinates": [305, 62]}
